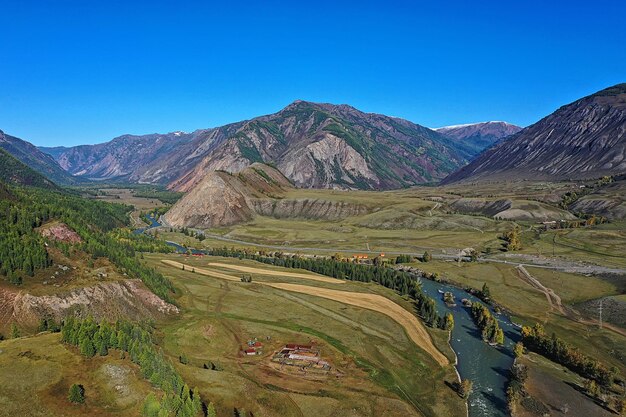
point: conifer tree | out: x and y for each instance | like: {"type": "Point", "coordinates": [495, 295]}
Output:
{"type": "Point", "coordinates": [76, 394]}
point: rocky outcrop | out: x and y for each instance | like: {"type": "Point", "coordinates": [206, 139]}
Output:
{"type": "Point", "coordinates": [217, 200]}
{"type": "Point", "coordinates": [60, 232]}
{"type": "Point", "coordinates": [223, 199]}
{"type": "Point", "coordinates": [315, 145]}
{"type": "Point", "coordinates": [110, 300]}
{"type": "Point", "coordinates": [582, 140]}
{"type": "Point", "coordinates": [306, 208]}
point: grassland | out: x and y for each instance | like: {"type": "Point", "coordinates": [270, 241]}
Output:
{"type": "Point", "coordinates": [558, 389]}
{"type": "Point", "coordinates": [383, 371]}
{"type": "Point", "coordinates": [37, 372]}
{"type": "Point", "coordinates": [413, 327]}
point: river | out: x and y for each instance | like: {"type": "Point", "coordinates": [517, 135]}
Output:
{"type": "Point", "coordinates": [486, 366]}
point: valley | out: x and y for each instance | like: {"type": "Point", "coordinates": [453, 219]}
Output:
{"type": "Point", "coordinates": [210, 273]}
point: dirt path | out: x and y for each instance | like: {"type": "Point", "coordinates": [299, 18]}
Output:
{"type": "Point", "coordinates": [269, 272]}
{"type": "Point", "coordinates": [555, 303]}
{"type": "Point", "coordinates": [553, 299]}
{"type": "Point", "coordinates": [413, 327]}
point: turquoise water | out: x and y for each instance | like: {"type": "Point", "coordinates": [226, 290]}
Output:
{"type": "Point", "coordinates": [486, 366]}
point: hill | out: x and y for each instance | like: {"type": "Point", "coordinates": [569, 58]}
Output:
{"type": "Point", "coordinates": [582, 140]}
{"type": "Point", "coordinates": [222, 199]}
{"type": "Point", "coordinates": [13, 171]}
{"type": "Point", "coordinates": [315, 145]}
{"type": "Point", "coordinates": [39, 161]}
{"type": "Point", "coordinates": [479, 136]}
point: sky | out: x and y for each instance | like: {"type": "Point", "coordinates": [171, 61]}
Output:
{"type": "Point", "coordinates": [80, 72]}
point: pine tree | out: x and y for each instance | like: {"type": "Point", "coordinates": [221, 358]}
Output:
{"type": "Point", "coordinates": [210, 410]}
{"type": "Point", "coordinates": [151, 406]}
{"type": "Point", "coordinates": [485, 292]}
{"type": "Point", "coordinates": [15, 332]}
{"type": "Point", "coordinates": [76, 394]}
{"type": "Point", "coordinates": [86, 347]}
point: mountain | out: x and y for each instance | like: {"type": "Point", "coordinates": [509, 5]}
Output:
{"type": "Point", "coordinates": [314, 145]}
{"type": "Point", "coordinates": [585, 139]}
{"type": "Point", "coordinates": [153, 158]}
{"type": "Point", "coordinates": [39, 161]}
{"type": "Point", "coordinates": [479, 136]}
{"type": "Point", "coordinates": [13, 171]}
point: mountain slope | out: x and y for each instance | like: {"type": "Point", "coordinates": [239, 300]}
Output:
{"type": "Point", "coordinates": [582, 140]}
{"type": "Point", "coordinates": [314, 145]}
{"type": "Point", "coordinates": [39, 161]}
{"type": "Point", "coordinates": [479, 136]}
{"type": "Point", "coordinates": [13, 171]}
{"type": "Point", "coordinates": [329, 146]}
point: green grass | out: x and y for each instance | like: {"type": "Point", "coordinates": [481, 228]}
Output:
{"type": "Point", "coordinates": [37, 372]}
{"type": "Point", "coordinates": [380, 363]}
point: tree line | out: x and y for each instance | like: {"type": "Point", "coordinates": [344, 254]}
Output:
{"type": "Point", "coordinates": [556, 349]}
{"type": "Point", "coordinates": [94, 338]}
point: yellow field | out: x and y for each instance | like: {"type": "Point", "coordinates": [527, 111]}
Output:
{"type": "Point", "coordinates": [413, 327]}
{"type": "Point", "coordinates": [276, 273]}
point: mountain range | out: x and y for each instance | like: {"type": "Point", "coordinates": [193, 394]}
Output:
{"type": "Point", "coordinates": [314, 145]}
{"type": "Point", "coordinates": [318, 145]}
{"type": "Point", "coordinates": [479, 136]}
{"type": "Point", "coordinates": [585, 139]}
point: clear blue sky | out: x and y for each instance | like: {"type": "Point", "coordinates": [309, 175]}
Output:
{"type": "Point", "coordinates": [72, 72]}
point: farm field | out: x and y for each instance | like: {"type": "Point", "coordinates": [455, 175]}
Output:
{"type": "Point", "coordinates": [383, 371]}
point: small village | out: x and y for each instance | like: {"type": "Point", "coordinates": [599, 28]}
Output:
{"type": "Point", "coordinates": [305, 359]}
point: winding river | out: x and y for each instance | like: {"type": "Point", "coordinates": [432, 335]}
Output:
{"type": "Point", "coordinates": [486, 366]}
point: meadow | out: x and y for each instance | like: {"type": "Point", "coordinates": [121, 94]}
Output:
{"type": "Point", "coordinates": [382, 370]}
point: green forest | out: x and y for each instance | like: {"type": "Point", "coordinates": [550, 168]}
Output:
{"type": "Point", "coordinates": [99, 224]}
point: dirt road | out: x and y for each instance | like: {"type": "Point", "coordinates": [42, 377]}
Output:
{"type": "Point", "coordinates": [553, 299]}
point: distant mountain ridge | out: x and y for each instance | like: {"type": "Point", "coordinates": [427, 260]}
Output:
{"type": "Point", "coordinates": [315, 145]}
{"type": "Point", "coordinates": [34, 158]}
{"type": "Point", "coordinates": [585, 139]}
{"type": "Point", "coordinates": [481, 135]}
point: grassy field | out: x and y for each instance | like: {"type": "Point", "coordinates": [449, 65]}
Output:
{"type": "Point", "coordinates": [37, 372]}
{"type": "Point", "coordinates": [411, 324]}
{"type": "Point", "coordinates": [558, 389]}
{"type": "Point", "coordinates": [380, 370]}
